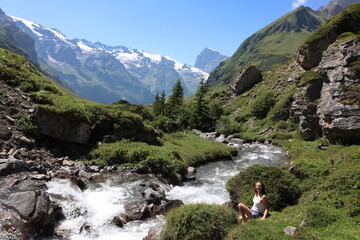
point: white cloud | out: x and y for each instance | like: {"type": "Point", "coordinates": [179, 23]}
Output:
{"type": "Point", "coordinates": [298, 3]}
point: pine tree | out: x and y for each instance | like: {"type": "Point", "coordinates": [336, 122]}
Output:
{"type": "Point", "coordinates": [200, 117]}
{"type": "Point", "coordinates": [175, 101]}
{"type": "Point", "coordinates": [159, 104]}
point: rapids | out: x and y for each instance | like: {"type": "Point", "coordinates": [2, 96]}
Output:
{"type": "Point", "coordinates": [88, 214]}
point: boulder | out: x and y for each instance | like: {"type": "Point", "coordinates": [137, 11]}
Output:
{"type": "Point", "coordinates": [155, 232]}
{"type": "Point", "coordinates": [137, 210]}
{"type": "Point", "coordinates": [11, 224]}
{"type": "Point", "coordinates": [290, 231]}
{"type": "Point", "coordinates": [61, 126]}
{"type": "Point", "coordinates": [8, 167]}
{"type": "Point", "coordinates": [152, 196]}
{"type": "Point", "coordinates": [170, 205]}
{"type": "Point", "coordinates": [246, 80]}
{"type": "Point", "coordinates": [35, 208]}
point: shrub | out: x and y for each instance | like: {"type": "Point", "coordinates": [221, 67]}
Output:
{"type": "Point", "coordinates": [282, 187]}
{"type": "Point", "coordinates": [319, 216]}
{"type": "Point", "coordinates": [198, 221]}
{"type": "Point", "coordinates": [312, 169]}
{"type": "Point", "coordinates": [262, 104]}
{"type": "Point", "coordinates": [27, 126]}
{"type": "Point", "coordinates": [226, 126]}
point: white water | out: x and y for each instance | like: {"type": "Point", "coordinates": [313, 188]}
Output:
{"type": "Point", "coordinates": [97, 205]}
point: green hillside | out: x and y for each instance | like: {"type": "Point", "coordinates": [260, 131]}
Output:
{"type": "Point", "coordinates": [271, 45]}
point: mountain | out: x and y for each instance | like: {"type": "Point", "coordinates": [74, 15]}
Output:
{"type": "Point", "coordinates": [96, 75]}
{"type": "Point", "coordinates": [271, 45]}
{"type": "Point", "coordinates": [209, 59]}
{"type": "Point", "coordinates": [158, 73]}
{"type": "Point", "coordinates": [107, 74]}
{"type": "Point", "coordinates": [15, 40]}
{"type": "Point", "coordinates": [335, 6]}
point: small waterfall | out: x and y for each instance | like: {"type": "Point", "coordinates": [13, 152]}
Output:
{"type": "Point", "coordinates": [88, 213]}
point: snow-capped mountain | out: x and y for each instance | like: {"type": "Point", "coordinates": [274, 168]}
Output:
{"type": "Point", "coordinates": [209, 59]}
{"type": "Point", "coordinates": [106, 74]}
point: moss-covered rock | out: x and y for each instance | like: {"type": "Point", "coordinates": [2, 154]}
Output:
{"type": "Point", "coordinates": [198, 221]}
{"type": "Point", "coordinates": [310, 53]}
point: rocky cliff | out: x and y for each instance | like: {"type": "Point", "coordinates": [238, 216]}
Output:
{"type": "Point", "coordinates": [327, 100]}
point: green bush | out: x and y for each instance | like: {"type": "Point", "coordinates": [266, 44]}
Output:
{"type": "Point", "coordinates": [27, 126]}
{"type": "Point", "coordinates": [262, 104]}
{"type": "Point", "coordinates": [198, 222]}
{"type": "Point", "coordinates": [319, 216]}
{"type": "Point", "coordinates": [312, 169]}
{"type": "Point", "coordinates": [282, 187]}
{"type": "Point", "coordinates": [227, 126]}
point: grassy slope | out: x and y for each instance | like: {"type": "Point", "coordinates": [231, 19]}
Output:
{"type": "Point", "coordinates": [271, 45]}
{"type": "Point", "coordinates": [330, 179]}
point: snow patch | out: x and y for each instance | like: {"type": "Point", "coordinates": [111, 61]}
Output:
{"type": "Point", "coordinates": [85, 48]}
{"type": "Point", "coordinates": [153, 57]}
{"type": "Point", "coordinates": [29, 24]}
{"type": "Point", "coordinates": [57, 34]}
{"type": "Point", "coordinates": [127, 57]}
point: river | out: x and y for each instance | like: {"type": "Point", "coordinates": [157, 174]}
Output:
{"type": "Point", "coordinates": [88, 214]}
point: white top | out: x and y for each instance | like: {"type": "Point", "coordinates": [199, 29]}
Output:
{"type": "Point", "coordinates": [258, 205]}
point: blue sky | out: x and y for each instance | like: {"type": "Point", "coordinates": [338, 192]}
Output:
{"type": "Point", "coordinates": [180, 29]}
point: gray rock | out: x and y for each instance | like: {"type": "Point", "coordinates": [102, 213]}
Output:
{"type": "Point", "coordinates": [13, 166]}
{"type": "Point", "coordinates": [152, 196]}
{"type": "Point", "coordinates": [198, 132]}
{"type": "Point", "coordinates": [137, 210]}
{"type": "Point", "coordinates": [155, 232]}
{"type": "Point", "coordinates": [304, 111]}
{"type": "Point", "coordinates": [246, 80]}
{"type": "Point", "coordinates": [94, 168]}
{"type": "Point", "coordinates": [79, 165]}
{"type": "Point", "coordinates": [34, 207]}
{"type": "Point", "coordinates": [85, 175]}
{"type": "Point", "coordinates": [11, 224]}
{"type": "Point", "coordinates": [63, 173]}
{"type": "Point", "coordinates": [290, 231]}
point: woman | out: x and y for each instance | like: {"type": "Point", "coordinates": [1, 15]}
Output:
{"type": "Point", "coordinates": [260, 207]}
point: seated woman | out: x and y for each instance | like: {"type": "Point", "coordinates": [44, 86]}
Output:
{"type": "Point", "coordinates": [260, 207]}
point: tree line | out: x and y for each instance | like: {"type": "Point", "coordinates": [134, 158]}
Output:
{"type": "Point", "coordinates": [173, 114]}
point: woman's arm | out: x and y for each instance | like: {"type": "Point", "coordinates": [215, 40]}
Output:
{"type": "Point", "coordinates": [264, 200]}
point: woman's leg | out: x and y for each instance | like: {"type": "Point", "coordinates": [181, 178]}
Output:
{"type": "Point", "coordinates": [244, 211]}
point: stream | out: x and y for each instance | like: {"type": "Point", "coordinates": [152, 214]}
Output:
{"type": "Point", "coordinates": [88, 214]}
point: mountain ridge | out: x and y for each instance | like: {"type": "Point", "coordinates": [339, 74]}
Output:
{"type": "Point", "coordinates": [139, 74]}
{"type": "Point", "coordinates": [271, 45]}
